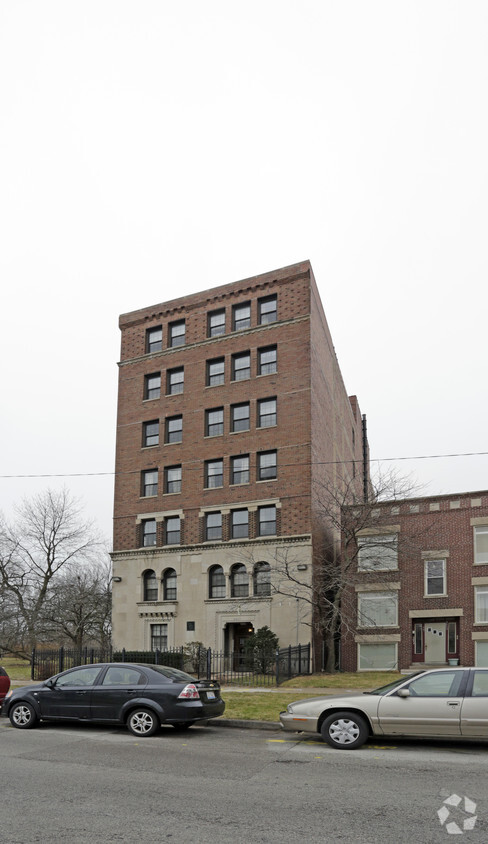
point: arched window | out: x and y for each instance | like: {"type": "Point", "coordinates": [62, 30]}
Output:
{"type": "Point", "coordinates": [262, 579]}
{"type": "Point", "coordinates": [239, 581]}
{"type": "Point", "coordinates": [169, 585]}
{"type": "Point", "coordinates": [150, 586]}
{"type": "Point", "coordinates": [216, 582]}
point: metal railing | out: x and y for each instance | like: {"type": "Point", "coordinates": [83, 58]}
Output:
{"type": "Point", "coordinates": [264, 668]}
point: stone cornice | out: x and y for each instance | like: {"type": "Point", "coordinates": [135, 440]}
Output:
{"type": "Point", "coordinates": [299, 539]}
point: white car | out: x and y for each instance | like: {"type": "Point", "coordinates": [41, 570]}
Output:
{"type": "Point", "coordinates": [443, 703]}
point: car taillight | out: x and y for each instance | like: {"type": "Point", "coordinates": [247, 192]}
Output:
{"type": "Point", "coordinates": [190, 692]}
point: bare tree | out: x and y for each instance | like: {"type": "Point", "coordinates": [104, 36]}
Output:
{"type": "Point", "coordinates": [48, 536]}
{"type": "Point", "coordinates": [339, 523]}
{"type": "Point", "coordinates": [78, 608]}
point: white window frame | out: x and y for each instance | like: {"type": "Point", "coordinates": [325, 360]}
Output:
{"type": "Point", "coordinates": [380, 540]}
{"type": "Point", "coordinates": [480, 590]}
{"type": "Point", "coordinates": [480, 557]}
{"type": "Point", "coordinates": [366, 617]}
{"type": "Point", "coordinates": [428, 594]}
{"type": "Point", "coordinates": [389, 667]}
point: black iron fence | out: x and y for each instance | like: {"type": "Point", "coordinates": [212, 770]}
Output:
{"type": "Point", "coordinates": [265, 668]}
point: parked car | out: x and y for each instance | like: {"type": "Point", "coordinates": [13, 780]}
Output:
{"type": "Point", "coordinates": [4, 683]}
{"type": "Point", "coordinates": [442, 703]}
{"type": "Point", "coordinates": [140, 696]}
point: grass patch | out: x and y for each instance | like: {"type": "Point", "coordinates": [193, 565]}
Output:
{"type": "Point", "coordinates": [258, 706]}
{"type": "Point", "coordinates": [363, 681]}
{"type": "Point", "coordinates": [17, 669]}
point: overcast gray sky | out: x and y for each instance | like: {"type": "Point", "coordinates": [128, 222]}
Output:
{"type": "Point", "coordinates": [151, 149]}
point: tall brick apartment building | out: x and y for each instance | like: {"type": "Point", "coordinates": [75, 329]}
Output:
{"type": "Point", "coordinates": [231, 405]}
{"type": "Point", "coordinates": [418, 592]}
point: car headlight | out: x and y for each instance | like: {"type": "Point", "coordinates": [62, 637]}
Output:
{"type": "Point", "coordinates": [289, 708]}
{"type": "Point", "coordinates": [8, 694]}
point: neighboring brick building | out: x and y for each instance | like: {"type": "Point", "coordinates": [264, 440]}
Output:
{"type": "Point", "coordinates": [231, 406]}
{"type": "Point", "coordinates": [418, 592]}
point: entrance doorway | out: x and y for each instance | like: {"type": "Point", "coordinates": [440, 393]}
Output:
{"type": "Point", "coordinates": [236, 636]}
{"type": "Point", "coordinates": [435, 641]}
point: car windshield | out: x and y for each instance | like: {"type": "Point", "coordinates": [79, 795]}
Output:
{"type": "Point", "coordinates": [173, 673]}
{"type": "Point", "coordinates": [389, 686]}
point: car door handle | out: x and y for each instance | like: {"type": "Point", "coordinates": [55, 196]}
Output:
{"type": "Point", "coordinates": [81, 693]}
{"type": "Point", "coordinates": [453, 703]}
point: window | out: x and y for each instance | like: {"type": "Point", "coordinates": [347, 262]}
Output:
{"type": "Point", "coordinates": [239, 469]}
{"type": "Point", "coordinates": [377, 553]}
{"type": "Point", "coordinates": [437, 684]}
{"type": "Point", "coordinates": [481, 544]}
{"type": "Point", "coordinates": [377, 609]}
{"type": "Point", "coordinates": [172, 530]}
{"type": "Point", "coordinates": [175, 381]}
{"type": "Point", "coordinates": [216, 582]}
{"type": "Point", "coordinates": [149, 482]}
{"type": "Point", "coordinates": [214, 473]}
{"type": "Point", "coordinates": [150, 586]}
{"type": "Point", "coordinates": [169, 585]}
{"type": "Point", "coordinates": [213, 526]}
{"type": "Point", "coordinates": [267, 310]}
{"type": "Point", "coordinates": [240, 524]}
{"type": "Point", "coordinates": [172, 479]}
{"type": "Point", "coordinates": [159, 637]}
{"type": "Point", "coordinates": [239, 582]}
{"type": "Point", "coordinates": [216, 323]}
{"type": "Point", "coordinates": [176, 336]}
{"type": "Point", "coordinates": [451, 637]}
{"type": "Point", "coordinates": [241, 316]}
{"type": "Point", "coordinates": [174, 429]}
{"type": "Point", "coordinates": [148, 532]}
{"type": "Point", "coordinates": [116, 676]}
{"type": "Point", "coordinates": [85, 676]}
{"type": "Point", "coordinates": [214, 422]}
{"type": "Point", "coordinates": [378, 657]}
{"type": "Point", "coordinates": [239, 417]}
{"type": "Point", "coordinates": [267, 465]}
{"type": "Point", "coordinates": [266, 413]}
{"type": "Point", "coordinates": [154, 339]}
{"type": "Point", "coordinates": [481, 604]}
{"type": "Point", "coordinates": [267, 521]}
{"type": "Point", "coordinates": [152, 386]}
{"type": "Point", "coordinates": [267, 360]}
{"type": "Point", "coordinates": [481, 654]}
{"type": "Point", "coordinates": [215, 372]}
{"type": "Point", "coordinates": [262, 579]}
{"type": "Point", "coordinates": [241, 366]}
{"type": "Point", "coordinates": [435, 577]}
{"type": "Point", "coordinates": [150, 433]}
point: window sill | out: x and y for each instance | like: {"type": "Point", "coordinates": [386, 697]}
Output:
{"type": "Point", "coordinates": [267, 481]}
{"type": "Point", "coordinates": [440, 595]}
{"type": "Point", "coordinates": [244, 431]}
{"type": "Point", "coordinates": [147, 447]}
{"type": "Point", "coordinates": [244, 483]}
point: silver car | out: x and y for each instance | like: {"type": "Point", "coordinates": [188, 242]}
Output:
{"type": "Point", "coordinates": [444, 703]}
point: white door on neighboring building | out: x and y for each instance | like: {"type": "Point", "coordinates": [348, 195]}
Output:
{"type": "Point", "coordinates": [435, 642]}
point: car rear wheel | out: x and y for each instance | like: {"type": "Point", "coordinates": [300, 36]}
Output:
{"type": "Point", "coordinates": [142, 722]}
{"type": "Point", "coordinates": [183, 725]}
{"type": "Point", "coordinates": [23, 716]}
{"type": "Point", "coordinates": [344, 730]}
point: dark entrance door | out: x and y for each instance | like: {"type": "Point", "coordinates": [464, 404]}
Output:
{"type": "Point", "coordinates": [241, 635]}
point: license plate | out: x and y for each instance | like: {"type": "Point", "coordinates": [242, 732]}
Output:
{"type": "Point", "coordinates": [211, 695]}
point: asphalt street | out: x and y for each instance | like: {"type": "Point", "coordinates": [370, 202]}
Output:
{"type": "Point", "coordinates": [79, 783]}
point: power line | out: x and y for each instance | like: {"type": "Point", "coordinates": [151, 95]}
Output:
{"type": "Point", "coordinates": [314, 463]}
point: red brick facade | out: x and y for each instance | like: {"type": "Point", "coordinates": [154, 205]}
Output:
{"type": "Point", "coordinates": [439, 586]}
{"type": "Point", "coordinates": [256, 362]}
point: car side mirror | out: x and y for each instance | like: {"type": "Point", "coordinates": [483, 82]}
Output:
{"type": "Point", "coordinates": [50, 683]}
{"type": "Point", "coordinates": [403, 693]}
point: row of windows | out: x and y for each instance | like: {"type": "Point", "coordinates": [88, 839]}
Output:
{"type": "Point", "coordinates": [267, 364]}
{"type": "Point", "coordinates": [380, 553]}
{"type": "Point", "coordinates": [240, 366]}
{"type": "Point", "coordinates": [216, 324]}
{"type": "Point", "coordinates": [239, 466]}
{"type": "Point", "coordinates": [239, 420]}
{"type": "Point", "coordinates": [239, 526]}
{"type": "Point", "coordinates": [239, 583]}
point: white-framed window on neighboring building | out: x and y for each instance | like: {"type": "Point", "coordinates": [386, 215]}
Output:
{"type": "Point", "coordinates": [481, 654]}
{"type": "Point", "coordinates": [159, 637]}
{"type": "Point", "coordinates": [481, 604]}
{"type": "Point", "coordinates": [481, 544]}
{"type": "Point", "coordinates": [378, 656]}
{"type": "Point", "coordinates": [435, 577]}
{"type": "Point", "coordinates": [378, 553]}
{"type": "Point", "coordinates": [377, 609]}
